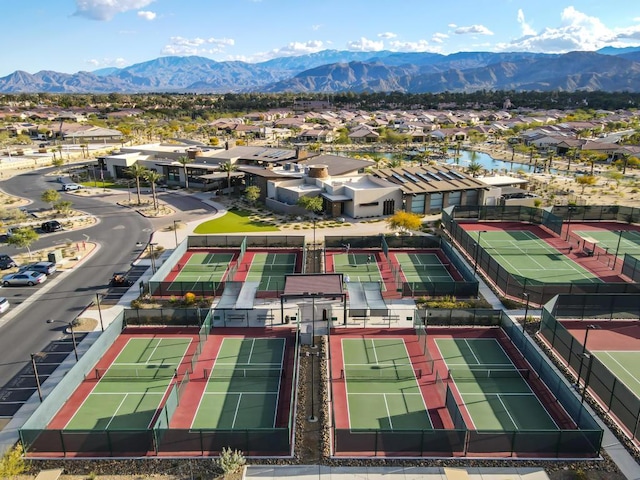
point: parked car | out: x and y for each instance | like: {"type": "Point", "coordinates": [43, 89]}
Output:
{"type": "Point", "coordinates": [51, 226]}
{"type": "Point", "coordinates": [6, 262]}
{"type": "Point", "coordinates": [41, 267]}
{"type": "Point", "coordinates": [23, 278]}
{"type": "Point", "coordinates": [4, 305]}
{"type": "Point", "coordinates": [71, 186]}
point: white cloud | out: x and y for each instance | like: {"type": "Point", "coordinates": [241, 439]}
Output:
{"type": "Point", "coordinates": [107, 9]}
{"type": "Point", "coordinates": [315, 28]}
{"type": "Point", "coordinates": [387, 35]}
{"type": "Point", "coordinates": [147, 15]}
{"type": "Point", "coordinates": [526, 28]}
{"type": "Point", "coordinates": [473, 29]}
{"type": "Point", "coordinates": [452, 25]}
{"type": "Point", "coordinates": [419, 46]}
{"type": "Point", "coordinates": [197, 46]}
{"type": "Point", "coordinates": [365, 45]}
{"type": "Point", "coordinates": [577, 31]}
{"type": "Point", "coordinates": [95, 63]}
{"type": "Point", "coordinates": [290, 50]}
{"type": "Point", "coordinates": [439, 37]}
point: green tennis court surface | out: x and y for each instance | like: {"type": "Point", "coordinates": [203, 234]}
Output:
{"type": "Point", "coordinates": [495, 393]}
{"type": "Point", "coordinates": [204, 267]}
{"type": "Point", "coordinates": [608, 240]}
{"type": "Point", "coordinates": [381, 386]}
{"type": "Point", "coordinates": [624, 365]}
{"type": "Point", "coordinates": [243, 386]}
{"type": "Point", "coordinates": [129, 393]}
{"type": "Point", "coordinates": [525, 255]}
{"type": "Point", "coordinates": [359, 267]}
{"type": "Point", "coordinates": [423, 267]}
{"type": "Point", "coordinates": [269, 269]}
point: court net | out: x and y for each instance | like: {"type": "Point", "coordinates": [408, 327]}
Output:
{"type": "Point", "coordinates": [136, 372]}
{"type": "Point", "coordinates": [483, 373]}
{"type": "Point", "coordinates": [376, 372]}
{"type": "Point", "coordinates": [214, 267]}
{"type": "Point", "coordinates": [253, 372]}
{"type": "Point", "coordinates": [529, 251]}
{"type": "Point", "coordinates": [272, 267]}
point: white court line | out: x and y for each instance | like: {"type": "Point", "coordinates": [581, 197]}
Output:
{"type": "Point", "coordinates": [128, 393]}
{"type": "Point", "coordinates": [116, 412]}
{"type": "Point", "coordinates": [424, 403]}
{"type": "Point", "coordinates": [235, 415]}
{"type": "Point", "coordinates": [403, 394]}
{"type": "Point", "coordinates": [633, 376]}
{"type": "Point", "coordinates": [275, 413]}
{"type": "Point", "coordinates": [386, 405]}
{"type": "Point", "coordinates": [346, 390]}
{"type": "Point", "coordinates": [253, 344]}
{"type": "Point", "coordinates": [375, 353]}
{"type": "Point", "coordinates": [382, 364]}
{"type": "Point", "coordinates": [478, 362]}
{"type": "Point", "coordinates": [506, 410]}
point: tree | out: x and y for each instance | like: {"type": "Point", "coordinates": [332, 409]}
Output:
{"type": "Point", "coordinates": [137, 171]}
{"type": "Point", "coordinates": [474, 169]}
{"type": "Point", "coordinates": [23, 237]}
{"type": "Point", "coordinates": [586, 180]}
{"type": "Point", "coordinates": [311, 204]}
{"type": "Point", "coordinates": [152, 177]}
{"type": "Point", "coordinates": [252, 194]}
{"type": "Point", "coordinates": [184, 161]}
{"type": "Point", "coordinates": [57, 162]}
{"type": "Point", "coordinates": [228, 167]}
{"type": "Point", "coordinates": [404, 221]}
{"type": "Point", "coordinates": [50, 196]}
{"type": "Point", "coordinates": [63, 206]}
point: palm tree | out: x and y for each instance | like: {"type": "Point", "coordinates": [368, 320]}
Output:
{"type": "Point", "coordinates": [474, 169]}
{"type": "Point", "coordinates": [137, 171]}
{"type": "Point", "coordinates": [572, 154]}
{"type": "Point", "coordinates": [184, 161]}
{"type": "Point", "coordinates": [228, 167]}
{"type": "Point", "coordinates": [152, 177]}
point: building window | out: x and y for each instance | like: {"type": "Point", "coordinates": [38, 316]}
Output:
{"type": "Point", "coordinates": [173, 174]}
{"type": "Point", "coordinates": [436, 202]}
{"type": "Point", "coordinates": [388, 207]}
{"type": "Point", "coordinates": [370, 204]}
{"type": "Point", "coordinates": [417, 204]}
{"type": "Point", "coordinates": [472, 197]}
{"type": "Point", "coordinates": [454, 198]}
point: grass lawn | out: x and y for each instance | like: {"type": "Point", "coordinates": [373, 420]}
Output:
{"type": "Point", "coordinates": [234, 221]}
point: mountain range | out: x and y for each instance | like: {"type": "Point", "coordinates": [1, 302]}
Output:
{"type": "Point", "coordinates": [333, 71]}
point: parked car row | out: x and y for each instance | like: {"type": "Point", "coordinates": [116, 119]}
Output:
{"type": "Point", "coordinates": [23, 278]}
{"type": "Point", "coordinates": [47, 227]}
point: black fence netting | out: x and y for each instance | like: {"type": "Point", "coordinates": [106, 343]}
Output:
{"type": "Point", "coordinates": [165, 316]}
{"type": "Point", "coordinates": [631, 267]}
{"type": "Point", "coordinates": [594, 213]}
{"type": "Point", "coordinates": [516, 286]}
{"type": "Point", "coordinates": [617, 397]}
{"type": "Point", "coordinates": [602, 307]}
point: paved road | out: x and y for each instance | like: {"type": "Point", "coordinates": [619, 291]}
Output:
{"type": "Point", "coordinates": [23, 330]}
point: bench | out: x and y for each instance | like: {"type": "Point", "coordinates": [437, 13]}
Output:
{"type": "Point", "coordinates": [589, 251]}
{"type": "Point", "coordinates": [52, 474]}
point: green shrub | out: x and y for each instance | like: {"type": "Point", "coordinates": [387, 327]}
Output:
{"type": "Point", "coordinates": [230, 461]}
{"type": "Point", "coordinates": [13, 463]}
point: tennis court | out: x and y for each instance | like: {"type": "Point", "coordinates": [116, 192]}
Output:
{"type": "Point", "coordinates": [204, 267]}
{"type": "Point", "coordinates": [243, 387]}
{"type": "Point", "coordinates": [359, 267]}
{"type": "Point", "coordinates": [382, 386]}
{"type": "Point", "coordinates": [269, 269]}
{"type": "Point", "coordinates": [129, 393]}
{"type": "Point", "coordinates": [523, 254]}
{"type": "Point", "coordinates": [629, 240]}
{"type": "Point", "coordinates": [423, 267]}
{"type": "Point", "coordinates": [495, 393]}
{"type": "Point", "coordinates": [624, 365]}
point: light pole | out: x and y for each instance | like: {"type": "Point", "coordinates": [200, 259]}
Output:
{"type": "Point", "coordinates": [152, 257]}
{"type": "Point", "coordinates": [129, 191]}
{"type": "Point", "coordinates": [570, 211]}
{"type": "Point", "coordinates": [99, 311]}
{"type": "Point", "coordinates": [584, 350]}
{"type": "Point", "coordinates": [615, 257]}
{"type": "Point", "coordinates": [73, 335]}
{"type": "Point", "coordinates": [475, 264]}
{"type": "Point", "coordinates": [175, 230]}
{"type": "Point", "coordinates": [35, 373]}
{"type": "Point", "coordinates": [587, 377]}
{"type": "Point", "coordinates": [526, 311]}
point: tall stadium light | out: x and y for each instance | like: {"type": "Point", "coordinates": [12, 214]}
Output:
{"type": "Point", "coordinates": [35, 373]}
{"type": "Point", "coordinates": [73, 335]}
{"type": "Point", "coordinates": [526, 311]}
{"type": "Point", "coordinates": [584, 350]}
{"type": "Point", "coordinates": [570, 210]}
{"type": "Point", "coordinates": [175, 230]}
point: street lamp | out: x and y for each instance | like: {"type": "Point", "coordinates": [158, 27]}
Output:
{"type": "Point", "coordinates": [73, 335]}
{"type": "Point", "coordinates": [584, 350]}
{"type": "Point", "coordinates": [175, 230]}
{"type": "Point", "coordinates": [99, 311]}
{"type": "Point", "coordinates": [526, 311]}
{"type": "Point", "coordinates": [615, 257]}
{"type": "Point", "coordinates": [35, 373]}
{"type": "Point", "coordinates": [586, 380]}
{"type": "Point", "coordinates": [475, 265]}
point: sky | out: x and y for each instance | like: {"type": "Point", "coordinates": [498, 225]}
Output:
{"type": "Point", "coordinates": [85, 35]}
